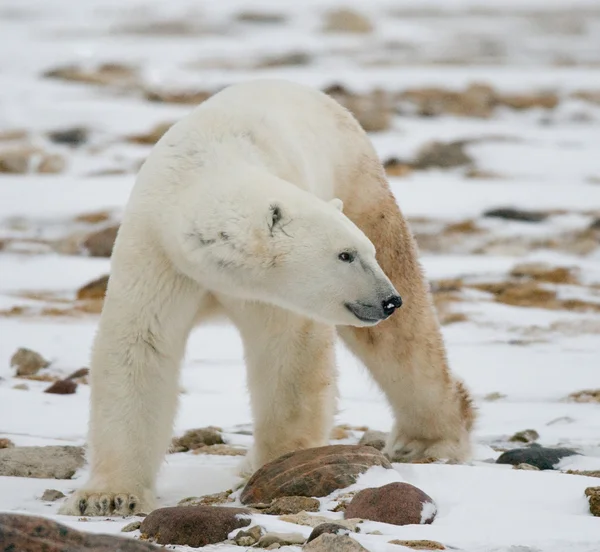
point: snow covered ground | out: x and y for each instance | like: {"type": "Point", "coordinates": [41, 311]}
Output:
{"type": "Point", "coordinates": [521, 357]}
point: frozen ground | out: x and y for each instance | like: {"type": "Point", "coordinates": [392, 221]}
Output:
{"type": "Point", "coordinates": [527, 356]}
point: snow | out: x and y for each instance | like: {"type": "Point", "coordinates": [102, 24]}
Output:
{"type": "Point", "coordinates": [529, 359]}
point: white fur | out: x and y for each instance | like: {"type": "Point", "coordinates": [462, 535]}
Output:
{"type": "Point", "coordinates": [235, 209]}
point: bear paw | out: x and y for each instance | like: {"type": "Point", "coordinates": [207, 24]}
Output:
{"type": "Point", "coordinates": [407, 450]}
{"type": "Point", "coordinates": [106, 503]}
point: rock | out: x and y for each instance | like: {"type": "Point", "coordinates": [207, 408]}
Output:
{"type": "Point", "coordinates": [62, 387]}
{"type": "Point", "coordinates": [107, 74]}
{"type": "Point", "coordinates": [334, 543]}
{"type": "Point", "coordinates": [332, 528]}
{"type": "Point", "coordinates": [53, 462]}
{"type": "Point", "coordinates": [260, 17]}
{"type": "Point", "coordinates": [194, 97]}
{"type": "Point", "coordinates": [28, 362]}
{"type": "Point", "coordinates": [13, 135]}
{"type": "Point", "coordinates": [525, 436]}
{"type": "Point", "coordinates": [249, 537]}
{"type": "Point", "coordinates": [525, 467]}
{"type": "Point", "coordinates": [292, 505]}
{"type": "Point", "coordinates": [508, 213]}
{"type": "Point", "coordinates": [419, 544]}
{"type": "Point", "coordinates": [20, 533]}
{"type": "Point", "coordinates": [51, 164]}
{"type": "Point", "coordinates": [50, 495]}
{"type": "Point", "coordinates": [6, 443]}
{"type": "Point", "coordinates": [586, 396]}
{"type": "Point", "coordinates": [543, 458]}
{"type": "Point", "coordinates": [595, 224]}
{"type": "Point", "coordinates": [207, 500]}
{"type": "Point", "coordinates": [197, 438]}
{"type": "Point", "coordinates": [21, 387]}
{"type": "Point", "coordinates": [345, 20]}
{"type": "Point", "coordinates": [593, 496]}
{"type": "Point", "coordinates": [541, 272]}
{"type": "Point", "coordinates": [373, 110]}
{"type": "Point", "coordinates": [133, 526]}
{"type": "Point", "coordinates": [15, 160]}
{"type": "Point", "coordinates": [282, 539]}
{"type": "Point", "coordinates": [311, 472]}
{"type": "Point", "coordinates": [193, 525]}
{"type": "Point", "coordinates": [444, 155]}
{"type": "Point", "coordinates": [375, 439]}
{"type": "Point", "coordinates": [96, 289]}
{"type": "Point", "coordinates": [545, 100]}
{"type": "Point", "coordinates": [75, 136]}
{"type": "Point", "coordinates": [313, 521]}
{"type": "Point", "coordinates": [152, 136]}
{"type": "Point", "coordinates": [81, 373]}
{"type": "Point", "coordinates": [586, 473]}
{"type": "Point", "coordinates": [100, 243]}
{"type": "Point", "coordinates": [397, 168]}
{"type": "Point", "coordinates": [395, 503]}
{"type": "Point", "coordinates": [290, 59]}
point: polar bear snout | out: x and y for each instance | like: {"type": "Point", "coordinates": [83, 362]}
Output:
{"type": "Point", "coordinates": [373, 313]}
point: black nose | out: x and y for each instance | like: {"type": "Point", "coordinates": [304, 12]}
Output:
{"type": "Point", "coordinates": [390, 304]}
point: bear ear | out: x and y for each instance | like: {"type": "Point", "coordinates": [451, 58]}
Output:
{"type": "Point", "coordinates": [337, 203]}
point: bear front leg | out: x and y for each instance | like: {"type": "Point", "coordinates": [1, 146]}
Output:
{"type": "Point", "coordinates": [406, 353]}
{"type": "Point", "coordinates": [291, 377]}
{"type": "Point", "coordinates": [147, 317]}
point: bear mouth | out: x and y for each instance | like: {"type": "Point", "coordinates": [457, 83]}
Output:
{"type": "Point", "coordinates": [358, 310]}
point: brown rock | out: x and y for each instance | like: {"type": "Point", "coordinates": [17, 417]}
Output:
{"type": "Point", "coordinates": [545, 100]}
{"type": "Point", "coordinates": [593, 496]}
{"type": "Point", "coordinates": [292, 505]}
{"type": "Point", "coordinates": [332, 528]}
{"type": "Point", "coordinates": [398, 168]}
{"type": "Point", "coordinates": [15, 161]}
{"type": "Point", "coordinates": [395, 503]}
{"type": "Point", "coordinates": [152, 136]}
{"type": "Point", "coordinates": [50, 495]}
{"type": "Point", "coordinates": [62, 387]}
{"type": "Point", "coordinates": [6, 443]}
{"type": "Point", "coordinates": [36, 534]}
{"type": "Point", "coordinates": [28, 362]}
{"type": "Point", "coordinates": [373, 110]}
{"type": "Point", "coordinates": [193, 525]}
{"type": "Point", "coordinates": [311, 472]}
{"type": "Point", "coordinates": [541, 272]}
{"type": "Point", "coordinates": [260, 17]}
{"type": "Point", "coordinates": [107, 74]}
{"type": "Point", "coordinates": [51, 164]}
{"type": "Point", "coordinates": [444, 155]}
{"type": "Point", "coordinates": [477, 100]}
{"type": "Point", "coordinates": [207, 500]}
{"type": "Point", "coordinates": [334, 543]}
{"type": "Point", "coordinates": [419, 544]}
{"type": "Point", "coordinates": [249, 537]}
{"type": "Point", "coordinates": [345, 20]}
{"type": "Point", "coordinates": [525, 436]}
{"type": "Point", "coordinates": [100, 244]}
{"type": "Point", "coordinates": [51, 462]}
{"type": "Point", "coordinates": [185, 98]}
{"type": "Point", "coordinates": [586, 396]}
{"type": "Point", "coordinates": [96, 289]}
{"type": "Point", "coordinates": [375, 439]}
{"type": "Point", "coordinates": [197, 438]}
{"type": "Point", "coordinates": [586, 473]}
{"type": "Point", "coordinates": [81, 373]}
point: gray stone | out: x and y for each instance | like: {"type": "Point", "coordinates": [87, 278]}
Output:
{"type": "Point", "coordinates": [54, 462]}
{"type": "Point", "coordinates": [282, 539]}
{"type": "Point", "coordinates": [375, 439]}
{"type": "Point", "coordinates": [543, 458]}
{"type": "Point", "coordinates": [28, 362]}
{"type": "Point", "coordinates": [334, 543]}
{"type": "Point", "coordinates": [50, 495]}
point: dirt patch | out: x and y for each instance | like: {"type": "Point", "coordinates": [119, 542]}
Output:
{"type": "Point", "coordinates": [541, 272]}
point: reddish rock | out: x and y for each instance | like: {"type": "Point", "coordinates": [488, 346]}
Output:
{"type": "Point", "coordinates": [395, 503]}
{"type": "Point", "coordinates": [62, 387]}
{"type": "Point", "coordinates": [37, 534]}
{"type": "Point", "coordinates": [193, 525]}
{"type": "Point", "coordinates": [311, 472]}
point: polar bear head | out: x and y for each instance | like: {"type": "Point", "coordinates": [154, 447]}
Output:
{"type": "Point", "coordinates": [293, 250]}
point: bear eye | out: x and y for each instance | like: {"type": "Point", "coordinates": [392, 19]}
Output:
{"type": "Point", "coordinates": [346, 257]}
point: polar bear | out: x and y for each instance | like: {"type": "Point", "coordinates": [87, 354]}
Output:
{"type": "Point", "coordinates": [266, 203]}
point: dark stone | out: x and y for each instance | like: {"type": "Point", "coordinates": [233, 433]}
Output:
{"type": "Point", "coordinates": [541, 457]}
{"type": "Point", "coordinates": [333, 528]}
{"type": "Point", "coordinates": [62, 387]}
{"type": "Point", "coordinates": [100, 244]}
{"type": "Point", "coordinates": [311, 472]}
{"type": "Point", "coordinates": [70, 136]}
{"type": "Point", "coordinates": [20, 533]}
{"type": "Point", "coordinates": [595, 225]}
{"type": "Point", "coordinates": [395, 503]}
{"type": "Point", "coordinates": [193, 525]}
{"type": "Point", "coordinates": [508, 213]}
